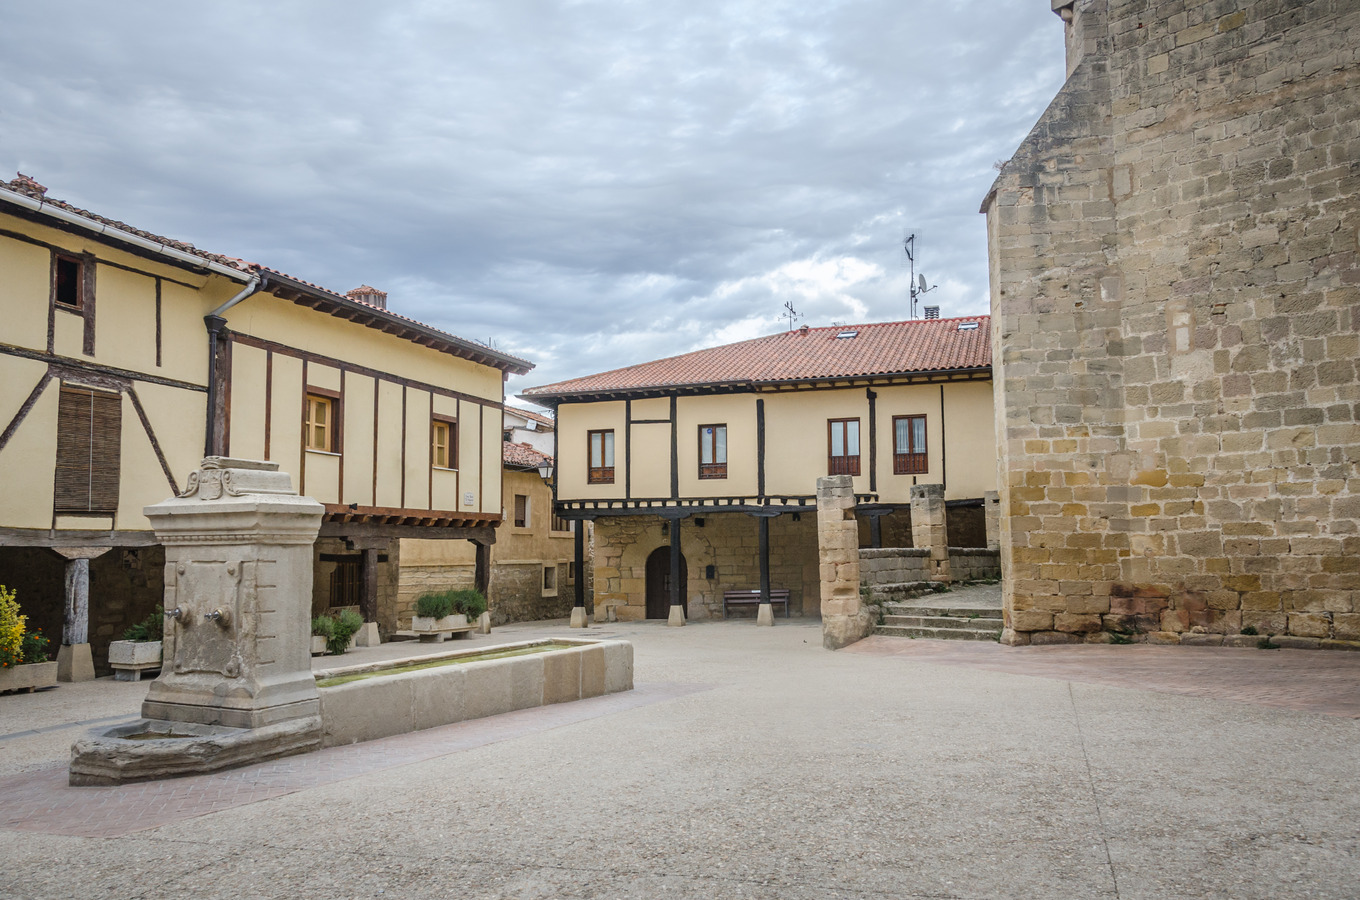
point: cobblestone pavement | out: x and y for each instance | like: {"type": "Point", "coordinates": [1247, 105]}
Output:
{"type": "Point", "coordinates": [753, 763]}
{"type": "Point", "coordinates": [1318, 681]}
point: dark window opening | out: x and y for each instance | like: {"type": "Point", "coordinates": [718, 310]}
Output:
{"type": "Point", "coordinates": [909, 445]}
{"type": "Point", "coordinates": [69, 277]}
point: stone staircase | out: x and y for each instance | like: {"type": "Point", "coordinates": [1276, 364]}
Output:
{"type": "Point", "coordinates": [940, 617]}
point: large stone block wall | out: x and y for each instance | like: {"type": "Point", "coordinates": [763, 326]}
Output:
{"type": "Point", "coordinates": [895, 565]}
{"type": "Point", "coordinates": [974, 564]}
{"type": "Point", "coordinates": [727, 541]}
{"type": "Point", "coordinates": [1175, 308]}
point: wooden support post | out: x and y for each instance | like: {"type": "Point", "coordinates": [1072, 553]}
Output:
{"type": "Point", "coordinates": [677, 616]}
{"type": "Point", "coordinates": [875, 532]}
{"type": "Point", "coordinates": [483, 571]}
{"type": "Point", "coordinates": [580, 562]}
{"type": "Point", "coordinates": [765, 612]}
{"type": "Point", "coordinates": [368, 597]}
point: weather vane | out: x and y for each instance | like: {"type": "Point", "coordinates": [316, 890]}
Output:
{"type": "Point", "coordinates": [792, 315]}
{"type": "Point", "coordinates": [917, 288]}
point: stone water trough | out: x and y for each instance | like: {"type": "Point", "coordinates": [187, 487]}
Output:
{"type": "Point", "coordinates": [236, 684]}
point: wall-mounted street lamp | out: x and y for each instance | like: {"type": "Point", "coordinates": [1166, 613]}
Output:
{"type": "Point", "coordinates": [545, 471]}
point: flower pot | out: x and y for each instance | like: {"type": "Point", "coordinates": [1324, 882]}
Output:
{"type": "Point", "coordinates": [432, 629]}
{"type": "Point", "coordinates": [135, 653]}
{"type": "Point", "coordinates": [318, 645]}
{"type": "Point", "coordinates": [28, 677]}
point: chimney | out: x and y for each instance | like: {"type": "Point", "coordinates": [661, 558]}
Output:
{"type": "Point", "coordinates": [25, 185]}
{"type": "Point", "coordinates": [802, 329]}
{"type": "Point", "coordinates": [370, 295]}
{"type": "Point", "coordinates": [932, 312]}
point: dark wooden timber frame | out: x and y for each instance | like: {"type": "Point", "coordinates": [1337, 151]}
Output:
{"type": "Point", "coordinates": [98, 368]}
{"type": "Point", "coordinates": [872, 396]}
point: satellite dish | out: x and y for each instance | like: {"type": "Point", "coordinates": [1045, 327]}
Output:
{"type": "Point", "coordinates": [923, 284]}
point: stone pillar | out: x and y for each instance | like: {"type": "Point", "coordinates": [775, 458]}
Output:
{"type": "Point", "coordinates": [928, 527]}
{"type": "Point", "coordinates": [991, 503]}
{"type": "Point", "coordinates": [844, 618]}
{"type": "Point", "coordinates": [238, 591]}
{"type": "Point", "coordinates": [368, 600]}
{"type": "Point", "coordinates": [74, 662]}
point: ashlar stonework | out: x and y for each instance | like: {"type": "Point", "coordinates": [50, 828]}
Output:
{"type": "Point", "coordinates": [1175, 308]}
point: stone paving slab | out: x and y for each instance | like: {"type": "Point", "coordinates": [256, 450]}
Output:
{"type": "Point", "coordinates": [1318, 681]}
{"type": "Point", "coordinates": [43, 802]}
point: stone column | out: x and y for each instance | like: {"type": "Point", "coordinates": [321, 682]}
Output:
{"type": "Point", "coordinates": [74, 662]}
{"type": "Point", "coordinates": [928, 527]}
{"type": "Point", "coordinates": [844, 618]}
{"type": "Point", "coordinates": [991, 503]}
{"type": "Point", "coordinates": [238, 590]}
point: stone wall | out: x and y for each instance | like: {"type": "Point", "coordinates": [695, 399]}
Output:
{"type": "Point", "coordinates": [125, 586]}
{"type": "Point", "coordinates": [896, 565]}
{"type": "Point", "coordinates": [1175, 307]}
{"type": "Point", "coordinates": [974, 564]}
{"type": "Point", "coordinates": [726, 541]}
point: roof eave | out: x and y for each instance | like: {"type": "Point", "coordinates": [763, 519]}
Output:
{"type": "Point", "coordinates": [340, 306]}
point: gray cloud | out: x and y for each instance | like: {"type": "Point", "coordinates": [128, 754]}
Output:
{"type": "Point", "coordinates": [590, 184]}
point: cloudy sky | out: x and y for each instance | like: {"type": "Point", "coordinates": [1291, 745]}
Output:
{"type": "Point", "coordinates": [585, 183]}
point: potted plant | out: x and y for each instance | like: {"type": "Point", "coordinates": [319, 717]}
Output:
{"type": "Point", "coordinates": [23, 654]}
{"type": "Point", "coordinates": [332, 634]}
{"type": "Point", "coordinates": [435, 616]}
{"type": "Point", "coordinates": [323, 629]}
{"type": "Point", "coordinates": [139, 648]}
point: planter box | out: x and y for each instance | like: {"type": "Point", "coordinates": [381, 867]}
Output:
{"type": "Point", "coordinates": [318, 645]}
{"type": "Point", "coordinates": [28, 677]}
{"type": "Point", "coordinates": [130, 658]}
{"type": "Point", "coordinates": [436, 630]}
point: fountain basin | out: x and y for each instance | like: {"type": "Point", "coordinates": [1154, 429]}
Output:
{"type": "Point", "coordinates": [147, 749]}
{"type": "Point", "coordinates": [366, 702]}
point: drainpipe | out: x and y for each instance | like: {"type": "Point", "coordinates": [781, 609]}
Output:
{"type": "Point", "coordinates": [215, 322]}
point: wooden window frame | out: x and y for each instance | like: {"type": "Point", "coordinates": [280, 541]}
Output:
{"type": "Point", "coordinates": [451, 450]}
{"type": "Point", "coordinates": [600, 474]}
{"type": "Point", "coordinates": [521, 515]}
{"type": "Point", "coordinates": [85, 295]}
{"type": "Point", "coordinates": [334, 424]}
{"type": "Point", "coordinates": [850, 466]}
{"type": "Point", "coordinates": [94, 457]}
{"type": "Point", "coordinates": [714, 469]}
{"type": "Point", "coordinates": [911, 461]}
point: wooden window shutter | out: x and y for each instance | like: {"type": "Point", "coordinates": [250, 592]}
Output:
{"type": "Point", "coordinates": [89, 444]}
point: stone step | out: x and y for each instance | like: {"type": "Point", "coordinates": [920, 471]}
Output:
{"type": "Point", "coordinates": [939, 634]}
{"type": "Point", "coordinates": [955, 612]}
{"type": "Point", "coordinates": [981, 623]}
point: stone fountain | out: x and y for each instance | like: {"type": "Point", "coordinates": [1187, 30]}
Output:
{"type": "Point", "coordinates": [236, 684]}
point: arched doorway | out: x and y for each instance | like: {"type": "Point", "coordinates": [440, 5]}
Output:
{"type": "Point", "coordinates": [659, 583]}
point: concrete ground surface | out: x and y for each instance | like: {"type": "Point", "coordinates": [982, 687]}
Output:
{"type": "Point", "coordinates": [752, 763]}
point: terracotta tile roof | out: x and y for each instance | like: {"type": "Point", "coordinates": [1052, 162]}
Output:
{"type": "Point", "coordinates": [815, 354]}
{"type": "Point", "coordinates": [22, 184]}
{"type": "Point", "coordinates": [374, 315]}
{"type": "Point", "coordinates": [522, 456]}
{"type": "Point", "coordinates": [531, 415]}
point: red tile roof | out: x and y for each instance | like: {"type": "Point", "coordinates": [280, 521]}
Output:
{"type": "Point", "coordinates": [522, 456]}
{"type": "Point", "coordinates": [532, 416]}
{"type": "Point", "coordinates": [815, 354]}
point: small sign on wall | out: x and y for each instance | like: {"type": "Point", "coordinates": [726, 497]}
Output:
{"type": "Point", "coordinates": [469, 499]}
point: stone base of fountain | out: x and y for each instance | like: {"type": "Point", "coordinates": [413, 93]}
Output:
{"type": "Point", "coordinates": [157, 748]}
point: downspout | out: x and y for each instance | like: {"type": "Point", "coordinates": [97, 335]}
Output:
{"type": "Point", "coordinates": [214, 320]}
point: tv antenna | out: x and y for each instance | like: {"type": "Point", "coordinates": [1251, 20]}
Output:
{"type": "Point", "coordinates": [792, 315]}
{"type": "Point", "coordinates": [918, 283]}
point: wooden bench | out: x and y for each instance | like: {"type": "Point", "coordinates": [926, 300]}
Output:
{"type": "Point", "coordinates": [752, 598]}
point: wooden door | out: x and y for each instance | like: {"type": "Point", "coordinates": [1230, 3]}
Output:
{"type": "Point", "coordinates": [659, 583]}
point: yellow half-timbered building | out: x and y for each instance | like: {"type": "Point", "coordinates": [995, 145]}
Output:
{"type": "Point", "coordinates": [125, 358]}
{"type": "Point", "coordinates": [699, 471]}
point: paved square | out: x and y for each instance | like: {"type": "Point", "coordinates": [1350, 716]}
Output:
{"type": "Point", "coordinates": [897, 769]}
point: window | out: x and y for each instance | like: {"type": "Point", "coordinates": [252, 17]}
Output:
{"type": "Point", "coordinates": [68, 288]}
{"type": "Point", "coordinates": [550, 581]}
{"type": "Point", "coordinates": [601, 457]}
{"type": "Point", "coordinates": [347, 581]}
{"type": "Point", "coordinates": [521, 511]}
{"type": "Point", "coordinates": [909, 445]}
{"type": "Point", "coordinates": [444, 443]}
{"type": "Point", "coordinates": [712, 451]}
{"type": "Point", "coordinates": [322, 430]}
{"type": "Point", "coordinates": [843, 447]}
{"type": "Point", "coordinates": [89, 442]}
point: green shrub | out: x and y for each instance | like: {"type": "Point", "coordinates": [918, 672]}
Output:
{"type": "Point", "coordinates": [1250, 629]}
{"type": "Point", "coordinates": [346, 624]}
{"type": "Point", "coordinates": [152, 628]}
{"type": "Point", "coordinates": [323, 626]}
{"type": "Point", "coordinates": [11, 630]}
{"type": "Point", "coordinates": [435, 605]}
{"type": "Point", "coordinates": [34, 647]}
{"type": "Point", "coordinates": [469, 602]}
